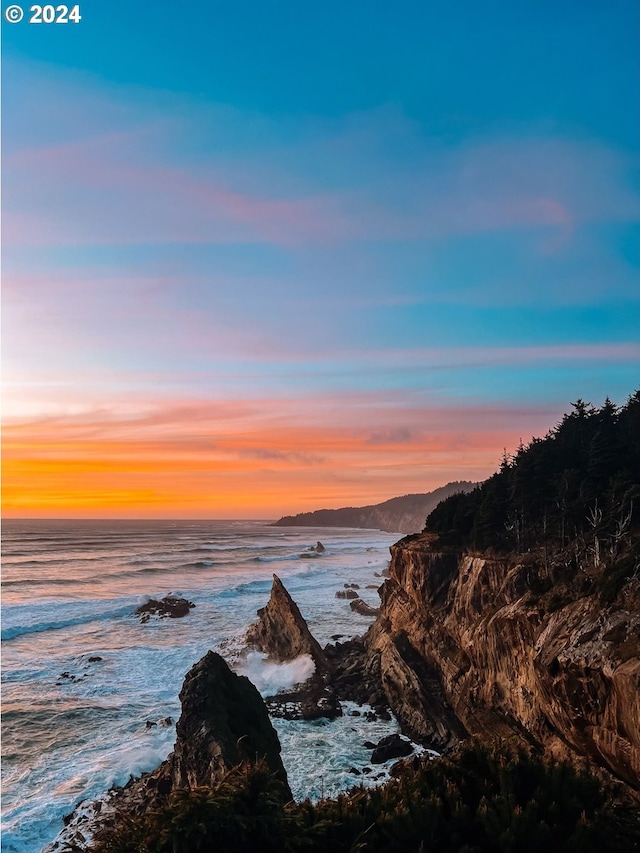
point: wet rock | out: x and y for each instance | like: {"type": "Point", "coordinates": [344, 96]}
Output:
{"type": "Point", "coordinates": [169, 606]}
{"type": "Point", "coordinates": [347, 593]}
{"type": "Point", "coordinates": [325, 705]}
{"type": "Point", "coordinates": [282, 633]}
{"type": "Point", "coordinates": [354, 771]}
{"type": "Point", "coordinates": [363, 608]}
{"type": "Point", "coordinates": [352, 586]}
{"type": "Point", "coordinates": [392, 746]}
{"type": "Point", "coordinates": [95, 659]}
{"type": "Point", "coordinates": [223, 723]}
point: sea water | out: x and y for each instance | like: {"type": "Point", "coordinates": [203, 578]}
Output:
{"type": "Point", "coordinates": [84, 681]}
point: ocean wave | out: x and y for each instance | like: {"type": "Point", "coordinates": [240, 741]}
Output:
{"type": "Point", "coordinates": [14, 631]}
{"type": "Point", "coordinates": [245, 588]}
{"type": "Point", "coordinates": [264, 559]}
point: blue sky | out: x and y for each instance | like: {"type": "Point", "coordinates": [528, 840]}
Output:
{"type": "Point", "coordinates": [416, 221]}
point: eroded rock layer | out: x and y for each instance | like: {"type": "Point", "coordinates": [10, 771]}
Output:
{"type": "Point", "coordinates": [281, 631]}
{"type": "Point", "coordinates": [465, 648]}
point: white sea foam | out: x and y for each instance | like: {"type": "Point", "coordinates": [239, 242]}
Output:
{"type": "Point", "coordinates": [67, 738]}
{"type": "Point", "coordinates": [271, 678]}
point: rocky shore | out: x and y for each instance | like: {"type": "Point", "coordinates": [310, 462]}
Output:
{"type": "Point", "coordinates": [460, 647]}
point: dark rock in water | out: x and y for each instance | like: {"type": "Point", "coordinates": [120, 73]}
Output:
{"type": "Point", "coordinates": [352, 586]}
{"type": "Point", "coordinates": [95, 659]}
{"type": "Point", "coordinates": [347, 593]}
{"type": "Point", "coordinates": [392, 746]}
{"type": "Point", "coordinates": [355, 674]}
{"type": "Point", "coordinates": [320, 547]}
{"type": "Point", "coordinates": [369, 744]}
{"type": "Point", "coordinates": [354, 771]}
{"type": "Point", "coordinates": [282, 633]}
{"type": "Point", "coordinates": [223, 722]}
{"type": "Point", "coordinates": [363, 608]}
{"type": "Point", "coordinates": [169, 606]}
{"type": "Point", "coordinates": [366, 770]}
{"type": "Point", "coordinates": [164, 723]}
{"type": "Point", "coordinates": [324, 705]}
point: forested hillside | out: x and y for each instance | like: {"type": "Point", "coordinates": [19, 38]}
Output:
{"type": "Point", "coordinates": [573, 496]}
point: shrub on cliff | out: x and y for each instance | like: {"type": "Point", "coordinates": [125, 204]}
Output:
{"type": "Point", "coordinates": [480, 800]}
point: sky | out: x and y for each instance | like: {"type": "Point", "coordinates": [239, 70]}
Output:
{"type": "Point", "coordinates": [263, 258]}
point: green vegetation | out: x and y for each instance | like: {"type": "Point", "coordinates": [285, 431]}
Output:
{"type": "Point", "coordinates": [570, 499]}
{"type": "Point", "coordinates": [480, 800]}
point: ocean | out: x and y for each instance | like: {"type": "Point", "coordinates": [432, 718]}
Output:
{"type": "Point", "coordinates": [84, 681]}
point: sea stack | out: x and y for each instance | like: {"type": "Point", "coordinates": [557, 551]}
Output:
{"type": "Point", "coordinates": [282, 633]}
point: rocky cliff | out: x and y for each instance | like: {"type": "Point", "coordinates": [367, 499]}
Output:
{"type": "Point", "coordinates": [398, 515]}
{"type": "Point", "coordinates": [465, 646]}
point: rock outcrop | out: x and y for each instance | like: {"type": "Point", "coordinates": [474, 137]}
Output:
{"type": "Point", "coordinates": [463, 647]}
{"type": "Point", "coordinates": [364, 609]}
{"type": "Point", "coordinates": [347, 593]}
{"type": "Point", "coordinates": [223, 723]}
{"type": "Point", "coordinates": [282, 633]}
{"type": "Point", "coordinates": [169, 606]}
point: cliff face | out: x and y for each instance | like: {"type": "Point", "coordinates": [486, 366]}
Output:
{"type": "Point", "coordinates": [464, 647]}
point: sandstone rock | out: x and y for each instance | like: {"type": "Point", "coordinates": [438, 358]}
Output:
{"type": "Point", "coordinates": [282, 633]}
{"type": "Point", "coordinates": [168, 606]}
{"type": "Point", "coordinates": [463, 647]}
{"type": "Point", "coordinates": [363, 608]}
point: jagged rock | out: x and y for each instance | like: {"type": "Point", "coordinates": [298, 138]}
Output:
{"type": "Point", "coordinates": [363, 608]}
{"type": "Point", "coordinates": [347, 593]}
{"type": "Point", "coordinates": [282, 633]}
{"type": "Point", "coordinates": [355, 671]}
{"type": "Point", "coordinates": [320, 547]}
{"type": "Point", "coordinates": [463, 648]}
{"type": "Point", "coordinates": [169, 606]}
{"type": "Point", "coordinates": [223, 723]}
{"type": "Point", "coordinates": [392, 746]}
{"type": "Point", "coordinates": [352, 586]}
